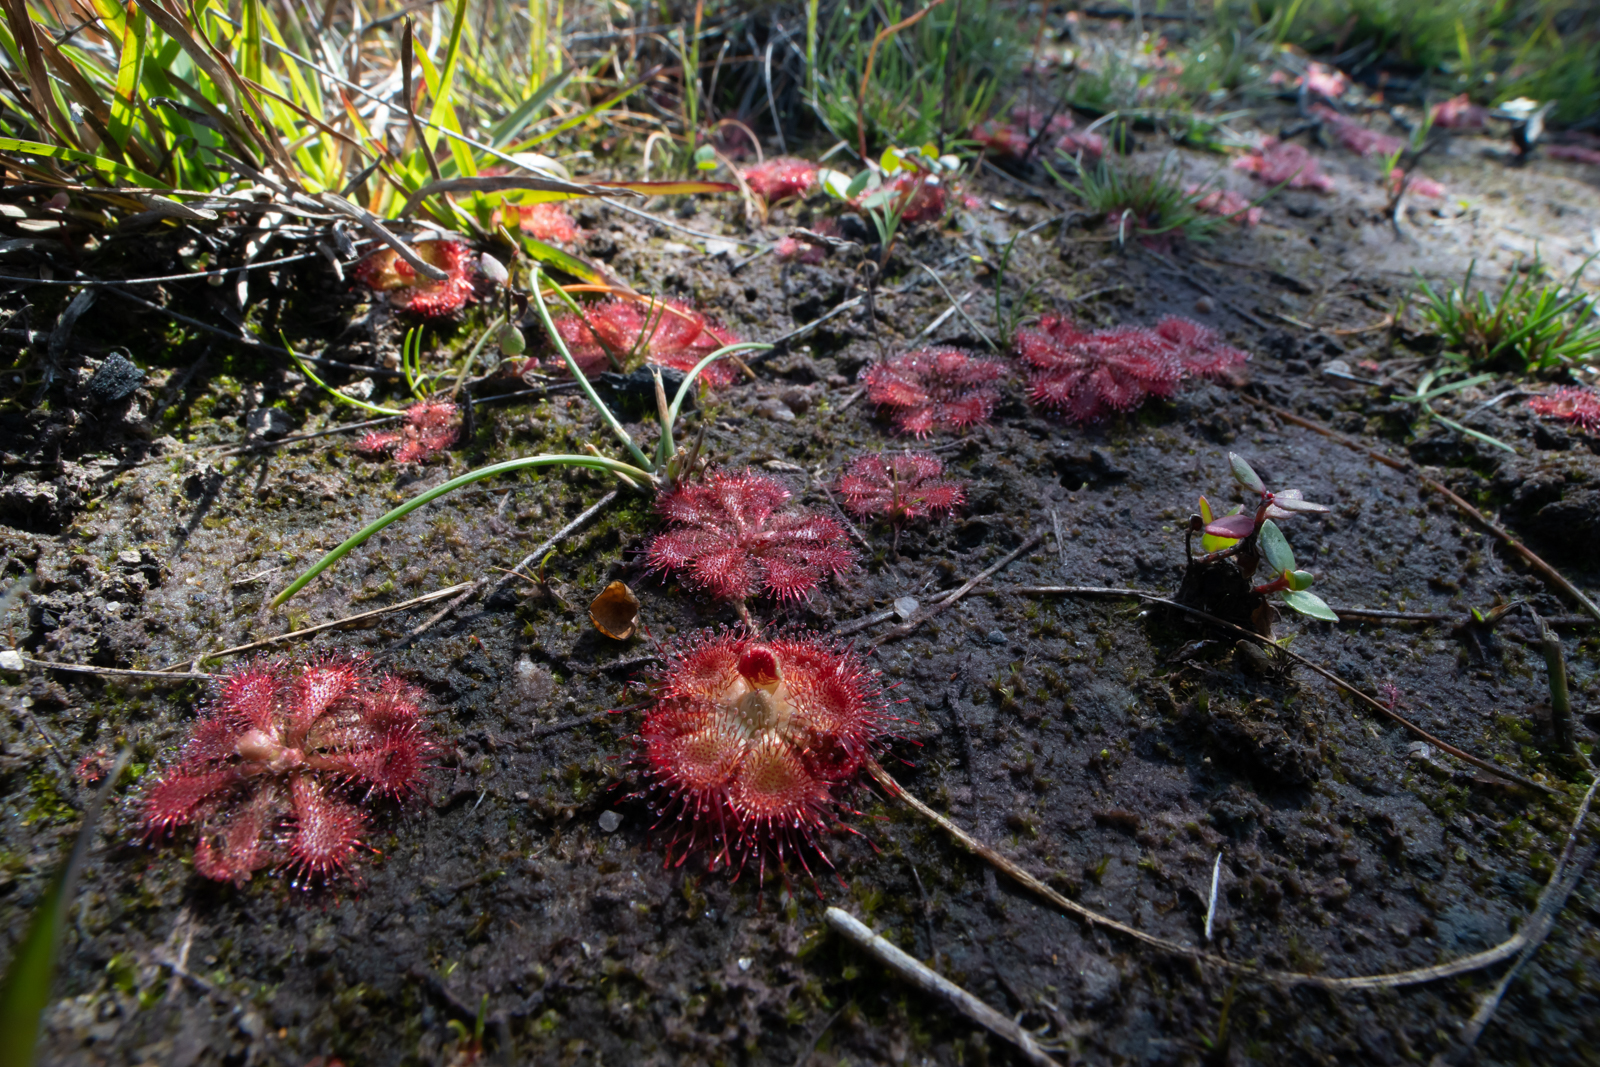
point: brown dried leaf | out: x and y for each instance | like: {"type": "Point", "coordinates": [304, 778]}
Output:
{"type": "Point", "coordinates": [615, 612]}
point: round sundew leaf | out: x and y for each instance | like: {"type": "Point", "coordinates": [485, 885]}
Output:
{"type": "Point", "coordinates": [1310, 604]}
{"type": "Point", "coordinates": [1301, 580]}
{"type": "Point", "coordinates": [1244, 474]}
{"type": "Point", "coordinates": [1233, 526]}
{"type": "Point", "coordinates": [1275, 548]}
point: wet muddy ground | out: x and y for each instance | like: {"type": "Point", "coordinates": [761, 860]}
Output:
{"type": "Point", "coordinates": [1113, 750]}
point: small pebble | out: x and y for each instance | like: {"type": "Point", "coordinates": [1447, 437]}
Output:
{"type": "Point", "coordinates": [1205, 305]}
{"type": "Point", "coordinates": [997, 637]}
{"type": "Point", "coordinates": [745, 962]}
{"type": "Point", "coordinates": [775, 410]}
{"type": "Point", "coordinates": [10, 660]}
{"type": "Point", "coordinates": [905, 606]}
{"type": "Point", "coordinates": [609, 821]}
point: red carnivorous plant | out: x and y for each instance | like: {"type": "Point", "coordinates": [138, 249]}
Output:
{"type": "Point", "coordinates": [752, 744]}
{"type": "Point", "coordinates": [782, 178]}
{"type": "Point", "coordinates": [430, 426]}
{"type": "Point", "coordinates": [733, 536]}
{"type": "Point", "coordinates": [1086, 373]}
{"type": "Point", "coordinates": [899, 487]}
{"type": "Point", "coordinates": [276, 771]}
{"type": "Point", "coordinates": [385, 272]}
{"type": "Point", "coordinates": [670, 334]}
{"type": "Point", "coordinates": [1284, 163]}
{"type": "Point", "coordinates": [934, 388]}
{"type": "Point", "coordinates": [1581, 407]}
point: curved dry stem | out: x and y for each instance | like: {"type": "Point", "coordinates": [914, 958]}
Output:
{"type": "Point", "coordinates": [1465, 965]}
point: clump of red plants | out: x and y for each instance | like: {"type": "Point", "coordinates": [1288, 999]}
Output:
{"type": "Point", "coordinates": [668, 333]}
{"type": "Point", "coordinates": [734, 536]}
{"type": "Point", "coordinates": [277, 770]}
{"type": "Point", "coordinates": [1086, 373]}
{"type": "Point", "coordinates": [385, 272]}
{"type": "Point", "coordinates": [752, 745]}
{"type": "Point", "coordinates": [1284, 163]}
{"type": "Point", "coordinates": [1581, 407]}
{"type": "Point", "coordinates": [899, 488]}
{"type": "Point", "coordinates": [429, 427]}
{"type": "Point", "coordinates": [934, 388]}
{"type": "Point", "coordinates": [782, 178]}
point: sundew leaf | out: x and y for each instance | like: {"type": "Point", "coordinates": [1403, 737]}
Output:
{"type": "Point", "coordinates": [1244, 474]}
{"type": "Point", "coordinates": [1275, 548]}
{"type": "Point", "coordinates": [1309, 604]}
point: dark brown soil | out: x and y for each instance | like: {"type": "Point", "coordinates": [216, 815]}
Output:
{"type": "Point", "coordinates": [1113, 750]}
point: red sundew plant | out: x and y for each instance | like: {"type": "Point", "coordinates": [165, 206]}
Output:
{"type": "Point", "coordinates": [547, 222]}
{"type": "Point", "coordinates": [1280, 163]}
{"type": "Point", "coordinates": [385, 272]}
{"type": "Point", "coordinates": [782, 178]}
{"type": "Point", "coordinates": [733, 536]}
{"type": "Point", "coordinates": [1460, 113]}
{"type": "Point", "coordinates": [1581, 407]}
{"type": "Point", "coordinates": [430, 426]}
{"type": "Point", "coordinates": [934, 388]}
{"type": "Point", "coordinates": [899, 488]}
{"type": "Point", "coordinates": [1085, 374]}
{"type": "Point", "coordinates": [1356, 137]}
{"type": "Point", "coordinates": [669, 333]}
{"type": "Point", "coordinates": [1224, 203]}
{"type": "Point", "coordinates": [275, 772]}
{"type": "Point", "coordinates": [752, 745]}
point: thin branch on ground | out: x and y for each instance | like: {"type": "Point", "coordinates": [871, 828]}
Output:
{"type": "Point", "coordinates": [944, 316]}
{"type": "Point", "coordinates": [948, 599]}
{"type": "Point", "coordinates": [1549, 572]}
{"type": "Point", "coordinates": [1538, 926]}
{"type": "Point", "coordinates": [956, 304]}
{"type": "Point", "coordinates": [1466, 965]}
{"type": "Point", "coordinates": [267, 642]}
{"type": "Point", "coordinates": [930, 981]}
{"type": "Point", "coordinates": [1372, 703]}
{"type": "Point", "coordinates": [117, 672]}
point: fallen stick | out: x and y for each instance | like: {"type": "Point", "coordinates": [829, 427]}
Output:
{"type": "Point", "coordinates": [1466, 965]}
{"type": "Point", "coordinates": [437, 594]}
{"type": "Point", "coordinates": [1556, 892]}
{"type": "Point", "coordinates": [1370, 702]}
{"type": "Point", "coordinates": [1550, 573]}
{"type": "Point", "coordinates": [931, 981]}
{"type": "Point", "coordinates": [117, 672]}
{"type": "Point", "coordinates": [947, 599]}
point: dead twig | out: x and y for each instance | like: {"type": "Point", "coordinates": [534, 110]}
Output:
{"type": "Point", "coordinates": [1535, 930]}
{"type": "Point", "coordinates": [1466, 965]}
{"type": "Point", "coordinates": [930, 981]}
{"type": "Point", "coordinates": [266, 642]}
{"type": "Point", "coordinates": [946, 600]}
{"type": "Point", "coordinates": [1550, 573]}
{"type": "Point", "coordinates": [116, 672]}
{"type": "Point", "coordinates": [1371, 702]}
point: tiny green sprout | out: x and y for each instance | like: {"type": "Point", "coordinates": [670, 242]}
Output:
{"type": "Point", "coordinates": [705, 158]}
{"type": "Point", "coordinates": [1288, 580]}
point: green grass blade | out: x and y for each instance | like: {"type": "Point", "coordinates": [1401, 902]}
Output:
{"type": "Point", "coordinates": [130, 69]}
{"type": "Point", "coordinates": [577, 373]}
{"type": "Point", "coordinates": [567, 263]}
{"type": "Point", "coordinates": [688, 379]}
{"type": "Point", "coordinates": [106, 168]}
{"type": "Point", "coordinates": [510, 465]}
{"type": "Point", "coordinates": [26, 990]}
{"type": "Point", "coordinates": [507, 128]}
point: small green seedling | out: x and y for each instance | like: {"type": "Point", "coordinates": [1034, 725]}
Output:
{"type": "Point", "coordinates": [1288, 581]}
